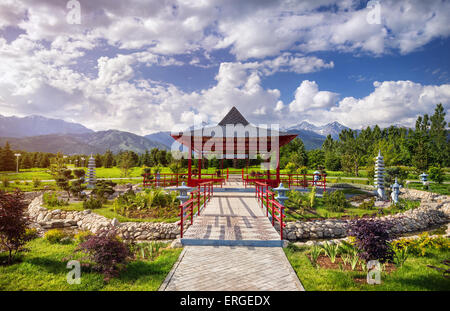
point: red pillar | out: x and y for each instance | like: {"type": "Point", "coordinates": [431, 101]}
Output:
{"type": "Point", "coordinates": [190, 164]}
{"type": "Point", "coordinates": [278, 166]}
{"type": "Point", "coordinates": [200, 168]}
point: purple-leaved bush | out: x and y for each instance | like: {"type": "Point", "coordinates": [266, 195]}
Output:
{"type": "Point", "coordinates": [372, 238]}
{"type": "Point", "coordinates": [106, 253]}
{"type": "Point", "coordinates": [13, 223]}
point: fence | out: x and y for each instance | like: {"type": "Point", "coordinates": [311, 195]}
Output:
{"type": "Point", "coordinates": [267, 198]}
{"type": "Point", "coordinates": [199, 198]}
{"type": "Point", "coordinates": [172, 179]}
{"type": "Point", "coordinates": [288, 180]}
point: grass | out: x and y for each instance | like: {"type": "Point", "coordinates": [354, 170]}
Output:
{"type": "Point", "coordinates": [43, 269]}
{"type": "Point", "coordinates": [108, 212]}
{"type": "Point", "coordinates": [433, 187]}
{"type": "Point", "coordinates": [413, 276]}
{"type": "Point", "coordinates": [28, 187]}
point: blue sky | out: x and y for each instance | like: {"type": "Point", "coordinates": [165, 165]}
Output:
{"type": "Point", "coordinates": [146, 66]}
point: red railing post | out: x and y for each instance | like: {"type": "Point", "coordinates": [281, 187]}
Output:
{"type": "Point", "coordinates": [182, 220]}
{"type": "Point", "coordinates": [273, 213]}
{"type": "Point", "coordinates": [227, 173]}
{"type": "Point", "coordinates": [281, 221]}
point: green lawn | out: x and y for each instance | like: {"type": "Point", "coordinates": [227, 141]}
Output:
{"type": "Point", "coordinates": [43, 269]}
{"type": "Point", "coordinates": [413, 276]}
{"type": "Point", "coordinates": [51, 185]}
{"type": "Point", "coordinates": [433, 187]}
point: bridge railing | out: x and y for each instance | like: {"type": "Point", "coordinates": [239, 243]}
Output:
{"type": "Point", "coordinates": [172, 179]}
{"type": "Point", "coordinates": [267, 199]}
{"type": "Point", "coordinates": [197, 201]}
{"type": "Point", "coordinates": [288, 180]}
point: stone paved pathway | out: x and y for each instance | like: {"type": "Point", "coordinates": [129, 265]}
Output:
{"type": "Point", "coordinates": [229, 268]}
{"type": "Point", "coordinates": [234, 219]}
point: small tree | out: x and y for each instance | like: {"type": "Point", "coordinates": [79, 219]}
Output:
{"type": "Point", "coordinates": [62, 181]}
{"type": "Point", "coordinates": [13, 223]}
{"type": "Point", "coordinates": [436, 174]}
{"type": "Point", "coordinates": [291, 167]}
{"type": "Point", "coordinates": [372, 237]}
{"type": "Point", "coordinates": [106, 253]}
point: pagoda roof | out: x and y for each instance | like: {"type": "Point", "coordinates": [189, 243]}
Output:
{"type": "Point", "coordinates": [233, 120]}
{"type": "Point", "coordinates": [233, 117]}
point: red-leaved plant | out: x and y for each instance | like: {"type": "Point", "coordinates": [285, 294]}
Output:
{"type": "Point", "coordinates": [105, 253]}
{"type": "Point", "coordinates": [13, 223]}
{"type": "Point", "coordinates": [372, 237]}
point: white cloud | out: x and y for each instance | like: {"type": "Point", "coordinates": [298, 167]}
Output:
{"type": "Point", "coordinates": [392, 102]}
{"type": "Point", "coordinates": [40, 73]}
{"type": "Point", "coordinates": [308, 97]}
{"type": "Point", "coordinates": [294, 63]}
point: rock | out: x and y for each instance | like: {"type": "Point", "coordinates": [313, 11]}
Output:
{"type": "Point", "coordinates": [115, 222]}
{"type": "Point", "coordinates": [176, 243]}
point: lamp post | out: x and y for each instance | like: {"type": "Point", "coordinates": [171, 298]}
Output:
{"type": "Point", "coordinates": [395, 191]}
{"type": "Point", "coordinates": [183, 197]}
{"type": "Point", "coordinates": [17, 160]}
{"type": "Point", "coordinates": [423, 178]}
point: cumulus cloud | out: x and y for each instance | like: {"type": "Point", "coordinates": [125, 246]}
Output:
{"type": "Point", "coordinates": [391, 102]}
{"type": "Point", "coordinates": [308, 97]}
{"type": "Point", "coordinates": [41, 71]}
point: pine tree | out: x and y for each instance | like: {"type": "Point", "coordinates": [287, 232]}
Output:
{"type": "Point", "coordinates": [438, 137]}
{"type": "Point", "coordinates": [44, 161]}
{"type": "Point", "coordinates": [98, 160]}
{"type": "Point", "coordinates": [26, 161]}
{"type": "Point", "coordinates": [8, 160]}
{"type": "Point", "coordinates": [108, 159]}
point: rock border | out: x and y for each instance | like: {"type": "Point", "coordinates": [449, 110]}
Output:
{"type": "Point", "coordinates": [433, 211]}
{"type": "Point", "coordinates": [45, 219]}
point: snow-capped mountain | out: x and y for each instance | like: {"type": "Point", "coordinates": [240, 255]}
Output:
{"type": "Point", "coordinates": [333, 128]}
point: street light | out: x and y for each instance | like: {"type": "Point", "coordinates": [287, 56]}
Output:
{"type": "Point", "coordinates": [17, 156]}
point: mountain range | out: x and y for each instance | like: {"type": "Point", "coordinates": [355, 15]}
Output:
{"type": "Point", "coordinates": [38, 125]}
{"type": "Point", "coordinates": [53, 135]}
{"type": "Point", "coordinates": [332, 129]}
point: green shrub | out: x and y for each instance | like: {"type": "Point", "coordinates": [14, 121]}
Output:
{"type": "Point", "coordinates": [291, 168]}
{"type": "Point", "coordinates": [368, 204]}
{"type": "Point", "coordinates": [58, 236]}
{"type": "Point", "coordinates": [17, 182]}
{"type": "Point", "coordinates": [436, 174]}
{"type": "Point", "coordinates": [82, 236]}
{"type": "Point", "coordinates": [422, 245]}
{"type": "Point", "coordinates": [335, 201]}
{"type": "Point", "coordinates": [302, 170]}
{"type": "Point", "coordinates": [36, 182]}
{"type": "Point", "coordinates": [51, 199]}
{"type": "Point", "coordinates": [5, 182]}
{"type": "Point", "coordinates": [30, 234]}
{"type": "Point", "coordinates": [92, 203]}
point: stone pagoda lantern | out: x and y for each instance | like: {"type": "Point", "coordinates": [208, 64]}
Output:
{"type": "Point", "coordinates": [281, 197]}
{"type": "Point", "coordinates": [424, 178]}
{"type": "Point", "coordinates": [91, 173]}
{"type": "Point", "coordinates": [183, 189]}
{"type": "Point", "coordinates": [379, 176]}
{"type": "Point", "coordinates": [316, 177]}
{"type": "Point", "coordinates": [395, 191]}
